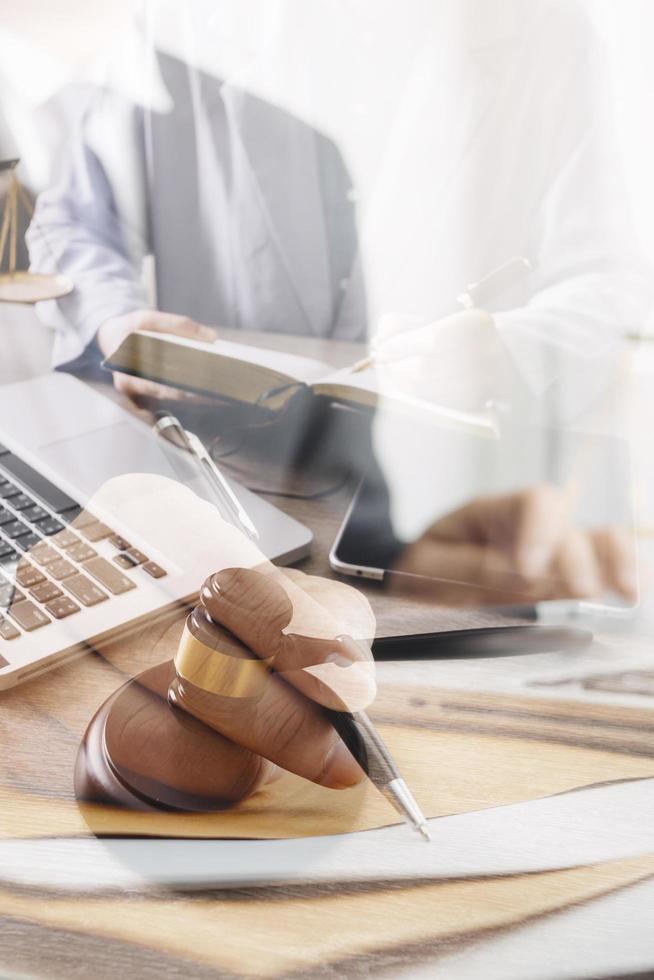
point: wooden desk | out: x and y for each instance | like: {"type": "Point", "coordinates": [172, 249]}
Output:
{"type": "Point", "coordinates": [448, 929]}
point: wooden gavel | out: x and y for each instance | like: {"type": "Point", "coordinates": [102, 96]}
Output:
{"type": "Point", "coordinates": [165, 740]}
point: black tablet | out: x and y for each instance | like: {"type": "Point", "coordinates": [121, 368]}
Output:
{"type": "Point", "coordinates": [422, 476]}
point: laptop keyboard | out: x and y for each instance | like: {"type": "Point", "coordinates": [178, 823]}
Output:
{"type": "Point", "coordinates": [49, 567]}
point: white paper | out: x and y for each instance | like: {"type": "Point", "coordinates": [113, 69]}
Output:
{"type": "Point", "coordinates": [579, 828]}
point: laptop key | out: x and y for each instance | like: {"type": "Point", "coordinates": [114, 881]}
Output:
{"type": "Point", "coordinates": [61, 569]}
{"type": "Point", "coordinates": [8, 561]}
{"type": "Point", "coordinates": [6, 549]}
{"type": "Point", "coordinates": [119, 542]}
{"type": "Point", "coordinates": [7, 631]}
{"type": "Point", "coordinates": [125, 561]}
{"type": "Point", "coordinates": [15, 529]}
{"type": "Point", "coordinates": [28, 541]}
{"type": "Point", "coordinates": [9, 594]}
{"type": "Point", "coordinates": [70, 514]}
{"type": "Point", "coordinates": [8, 490]}
{"type": "Point", "coordinates": [137, 555]}
{"type": "Point", "coordinates": [29, 616]}
{"type": "Point", "coordinates": [156, 571]}
{"type": "Point", "coordinates": [34, 513]}
{"type": "Point", "coordinates": [44, 555]}
{"type": "Point", "coordinates": [6, 516]}
{"type": "Point", "coordinates": [45, 591]}
{"type": "Point", "coordinates": [81, 552]}
{"type": "Point", "coordinates": [83, 519]}
{"type": "Point", "coordinates": [55, 498]}
{"type": "Point", "coordinates": [27, 575]}
{"type": "Point", "coordinates": [96, 532]}
{"type": "Point", "coordinates": [21, 501]}
{"type": "Point", "coordinates": [49, 526]}
{"type": "Point", "coordinates": [66, 539]}
{"type": "Point", "coordinates": [85, 591]}
{"type": "Point", "coordinates": [62, 607]}
{"type": "Point", "coordinates": [109, 576]}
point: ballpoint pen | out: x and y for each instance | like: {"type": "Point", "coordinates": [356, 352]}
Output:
{"type": "Point", "coordinates": [366, 745]}
{"type": "Point", "coordinates": [475, 296]}
{"type": "Point", "coordinates": [231, 671]}
{"type": "Point", "coordinates": [171, 428]}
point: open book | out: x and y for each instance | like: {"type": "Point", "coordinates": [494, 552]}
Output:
{"type": "Point", "coordinates": [252, 375]}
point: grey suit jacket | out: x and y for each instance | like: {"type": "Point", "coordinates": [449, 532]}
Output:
{"type": "Point", "coordinates": [246, 209]}
{"type": "Point", "coordinates": [499, 145]}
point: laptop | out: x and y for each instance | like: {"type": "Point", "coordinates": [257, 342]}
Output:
{"type": "Point", "coordinates": [72, 574]}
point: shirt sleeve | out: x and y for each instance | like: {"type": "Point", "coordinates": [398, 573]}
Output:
{"type": "Point", "coordinates": [77, 231]}
{"type": "Point", "coordinates": [591, 285]}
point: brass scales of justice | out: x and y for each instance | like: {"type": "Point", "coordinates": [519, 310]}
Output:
{"type": "Point", "coordinates": [18, 286]}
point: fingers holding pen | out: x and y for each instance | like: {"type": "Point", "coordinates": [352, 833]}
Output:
{"type": "Point", "coordinates": [282, 726]}
{"type": "Point", "coordinates": [307, 645]}
{"type": "Point", "coordinates": [265, 688]}
{"type": "Point", "coordinates": [223, 684]}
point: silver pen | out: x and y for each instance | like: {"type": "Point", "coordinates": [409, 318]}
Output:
{"type": "Point", "coordinates": [172, 429]}
{"type": "Point", "coordinates": [366, 745]}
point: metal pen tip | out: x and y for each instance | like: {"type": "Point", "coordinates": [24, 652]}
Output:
{"type": "Point", "coordinates": [423, 831]}
{"type": "Point", "coordinates": [400, 796]}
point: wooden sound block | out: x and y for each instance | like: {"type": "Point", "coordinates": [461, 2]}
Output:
{"type": "Point", "coordinates": [141, 753]}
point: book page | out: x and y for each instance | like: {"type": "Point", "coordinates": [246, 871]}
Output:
{"type": "Point", "coordinates": [371, 380]}
{"type": "Point", "coordinates": [294, 366]}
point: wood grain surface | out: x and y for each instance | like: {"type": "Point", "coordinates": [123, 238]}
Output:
{"type": "Point", "coordinates": [460, 748]}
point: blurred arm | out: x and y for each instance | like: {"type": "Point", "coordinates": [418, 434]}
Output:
{"type": "Point", "coordinates": [591, 285]}
{"type": "Point", "coordinates": [78, 231]}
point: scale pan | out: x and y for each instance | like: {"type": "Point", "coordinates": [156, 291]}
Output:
{"type": "Point", "coordinates": [31, 287]}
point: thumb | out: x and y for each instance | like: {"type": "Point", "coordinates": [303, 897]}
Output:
{"type": "Point", "coordinates": [181, 326]}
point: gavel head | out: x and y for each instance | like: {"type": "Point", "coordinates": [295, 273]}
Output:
{"type": "Point", "coordinates": [191, 734]}
{"type": "Point", "coordinates": [249, 623]}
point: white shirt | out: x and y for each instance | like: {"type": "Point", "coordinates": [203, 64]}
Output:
{"type": "Point", "coordinates": [352, 160]}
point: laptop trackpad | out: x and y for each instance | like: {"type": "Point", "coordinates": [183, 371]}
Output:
{"type": "Point", "coordinates": [87, 461]}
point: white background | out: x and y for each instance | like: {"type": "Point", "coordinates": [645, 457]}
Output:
{"type": "Point", "coordinates": [44, 43]}
{"type": "Point", "coordinates": [627, 27]}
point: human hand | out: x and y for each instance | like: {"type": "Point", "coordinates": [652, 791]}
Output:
{"type": "Point", "coordinates": [312, 632]}
{"type": "Point", "coordinates": [458, 361]}
{"type": "Point", "coordinates": [112, 333]}
{"type": "Point", "coordinates": [519, 548]}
